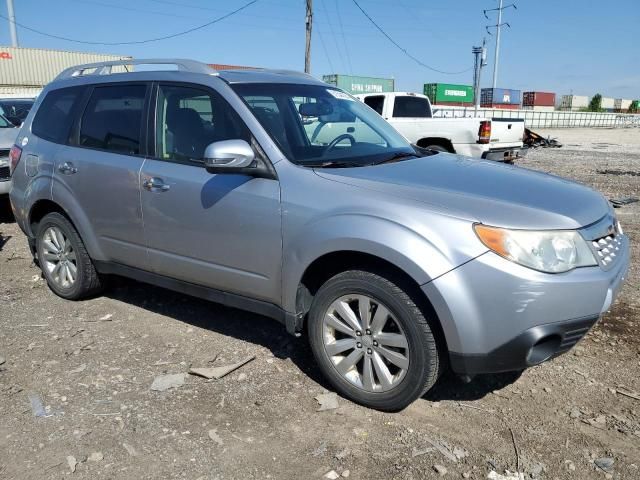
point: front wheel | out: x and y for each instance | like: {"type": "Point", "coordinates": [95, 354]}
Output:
{"type": "Point", "coordinates": [371, 341]}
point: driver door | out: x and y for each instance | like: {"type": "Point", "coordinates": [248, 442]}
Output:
{"type": "Point", "coordinates": [221, 231]}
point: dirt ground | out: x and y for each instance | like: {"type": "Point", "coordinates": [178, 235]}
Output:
{"type": "Point", "coordinates": [92, 363]}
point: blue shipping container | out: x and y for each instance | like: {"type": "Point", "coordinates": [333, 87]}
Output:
{"type": "Point", "coordinates": [500, 96]}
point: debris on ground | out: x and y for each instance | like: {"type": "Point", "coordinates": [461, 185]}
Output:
{"type": "Point", "coordinates": [130, 450]}
{"type": "Point", "coordinates": [345, 474]}
{"type": "Point", "coordinates": [440, 469]}
{"type": "Point", "coordinates": [416, 452]}
{"type": "Point", "coordinates": [442, 449]}
{"type": "Point", "coordinates": [331, 475]}
{"type": "Point", "coordinates": [213, 435]}
{"type": "Point", "coordinates": [79, 368]}
{"type": "Point", "coordinates": [96, 457]}
{"type": "Point", "coordinates": [219, 372]}
{"type": "Point", "coordinates": [36, 406]}
{"type": "Point", "coordinates": [618, 172]}
{"type": "Point", "coordinates": [635, 396]}
{"type": "Point", "coordinates": [2, 360]}
{"type": "Point", "coordinates": [621, 202]}
{"type": "Point", "coordinates": [165, 382]}
{"type": "Point", "coordinates": [327, 401]}
{"type": "Point", "coordinates": [535, 140]}
{"type": "Point", "coordinates": [605, 464]}
{"type": "Point", "coordinates": [72, 462]}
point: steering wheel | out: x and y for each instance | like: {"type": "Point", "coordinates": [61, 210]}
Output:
{"type": "Point", "coordinates": [337, 140]}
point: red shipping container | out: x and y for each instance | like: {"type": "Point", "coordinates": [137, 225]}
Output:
{"type": "Point", "coordinates": [503, 106]}
{"type": "Point", "coordinates": [538, 99]}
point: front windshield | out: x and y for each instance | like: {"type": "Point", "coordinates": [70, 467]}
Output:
{"type": "Point", "coordinates": [317, 125]}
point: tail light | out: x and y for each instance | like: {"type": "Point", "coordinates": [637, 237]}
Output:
{"type": "Point", "coordinates": [484, 133]}
{"type": "Point", "coordinates": [14, 158]}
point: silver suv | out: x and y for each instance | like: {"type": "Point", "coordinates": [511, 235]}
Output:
{"type": "Point", "coordinates": [396, 261]}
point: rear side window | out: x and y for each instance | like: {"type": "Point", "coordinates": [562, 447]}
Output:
{"type": "Point", "coordinates": [411, 107]}
{"type": "Point", "coordinates": [112, 120]}
{"type": "Point", "coordinates": [55, 115]}
{"type": "Point", "coordinates": [376, 102]}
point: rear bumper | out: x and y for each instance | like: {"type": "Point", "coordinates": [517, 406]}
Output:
{"type": "Point", "coordinates": [532, 347]}
{"type": "Point", "coordinates": [505, 154]}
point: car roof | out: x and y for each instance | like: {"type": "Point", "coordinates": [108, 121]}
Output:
{"type": "Point", "coordinates": [267, 76]}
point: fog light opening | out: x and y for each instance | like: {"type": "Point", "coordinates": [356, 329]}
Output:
{"type": "Point", "coordinates": [543, 349]}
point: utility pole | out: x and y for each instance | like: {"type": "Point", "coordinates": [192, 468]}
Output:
{"type": "Point", "coordinates": [480, 54]}
{"type": "Point", "coordinates": [12, 24]}
{"type": "Point", "coordinates": [498, 26]}
{"type": "Point", "coordinates": [309, 26]}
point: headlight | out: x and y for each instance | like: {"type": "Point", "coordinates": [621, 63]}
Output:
{"type": "Point", "coordinates": [547, 251]}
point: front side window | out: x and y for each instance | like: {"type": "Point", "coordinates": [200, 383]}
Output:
{"type": "Point", "coordinates": [411, 107]}
{"type": "Point", "coordinates": [112, 119]}
{"type": "Point", "coordinates": [189, 118]}
{"type": "Point", "coordinates": [55, 115]}
{"type": "Point", "coordinates": [317, 125]}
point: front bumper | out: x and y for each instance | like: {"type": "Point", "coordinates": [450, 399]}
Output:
{"type": "Point", "coordinates": [505, 154]}
{"type": "Point", "coordinates": [499, 316]}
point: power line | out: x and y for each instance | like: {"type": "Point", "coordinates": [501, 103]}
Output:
{"type": "Point", "coordinates": [404, 50]}
{"type": "Point", "coordinates": [344, 41]}
{"type": "Point", "coordinates": [137, 42]}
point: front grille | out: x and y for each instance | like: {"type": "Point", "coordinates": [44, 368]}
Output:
{"type": "Point", "coordinates": [607, 249]}
{"type": "Point", "coordinates": [4, 173]}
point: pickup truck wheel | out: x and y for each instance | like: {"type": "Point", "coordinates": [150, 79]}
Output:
{"type": "Point", "coordinates": [63, 259]}
{"type": "Point", "coordinates": [372, 342]}
{"type": "Point", "coordinates": [437, 148]}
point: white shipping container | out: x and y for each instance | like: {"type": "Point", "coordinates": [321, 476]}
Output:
{"type": "Point", "coordinates": [36, 67]}
{"type": "Point", "coordinates": [625, 104]}
{"type": "Point", "coordinates": [574, 102]}
{"type": "Point", "coordinates": [607, 102]}
{"type": "Point", "coordinates": [19, 92]}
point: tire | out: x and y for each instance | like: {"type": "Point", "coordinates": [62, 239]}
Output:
{"type": "Point", "coordinates": [405, 319]}
{"type": "Point", "coordinates": [86, 280]}
{"type": "Point", "coordinates": [438, 148]}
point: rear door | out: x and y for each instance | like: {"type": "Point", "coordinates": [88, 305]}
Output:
{"type": "Point", "coordinates": [221, 231]}
{"type": "Point", "coordinates": [101, 166]}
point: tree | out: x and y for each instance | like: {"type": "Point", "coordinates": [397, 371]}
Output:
{"type": "Point", "coordinates": [634, 107]}
{"type": "Point", "coordinates": [595, 105]}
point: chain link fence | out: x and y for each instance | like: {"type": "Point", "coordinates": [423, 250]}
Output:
{"type": "Point", "coordinates": [542, 119]}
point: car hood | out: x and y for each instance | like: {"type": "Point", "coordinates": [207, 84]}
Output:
{"type": "Point", "coordinates": [8, 137]}
{"type": "Point", "coordinates": [482, 191]}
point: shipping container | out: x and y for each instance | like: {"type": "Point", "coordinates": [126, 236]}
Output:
{"type": "Point", "coordinates": [499, 96]}
{"type": "Point", "coordinates": [501, 106]}
{"type": "Point", "coordinates": [357, 84]}
{"type": "Point", "coordinates": [452, 104]}
{"type": "Point", "coordinates": [607, 103]}
{"type": "Point", "coordinates": [538, 99]}
{"type": "Point", "coordinates": [540, 108]}
{"type": "Point", "coordinates": [18, 91]}
{"type": "Point", "coordinates": [449, 94]}
{"type": "Point", "coordinates": [625, 104]}
{"type": "Point", "coordinates": [574, 102]}
{"type": "Point", "coordinates": [34, 67]}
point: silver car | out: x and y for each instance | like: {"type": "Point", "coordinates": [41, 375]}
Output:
{"type": "Point", "coordinates": [8, 133]}
{"type": "Point", "coordinates": [396, 262]}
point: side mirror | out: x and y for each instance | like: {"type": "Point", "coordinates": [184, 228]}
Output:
{"type": "Point", "coordinates": [228, 156]}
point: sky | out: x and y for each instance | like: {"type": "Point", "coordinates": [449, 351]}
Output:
{"type": "Point", "coordinates": [564, 46]}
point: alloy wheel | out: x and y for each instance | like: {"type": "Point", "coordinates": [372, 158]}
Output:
{"type": "Point", "coordinates": [59, 258]}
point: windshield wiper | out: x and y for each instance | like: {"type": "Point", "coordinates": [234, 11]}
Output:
{"type": "Point", "coordinates": [331, 164]}
{"type": "Point", "coordinates": [396, 157]}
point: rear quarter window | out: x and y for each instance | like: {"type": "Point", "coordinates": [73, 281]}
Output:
{"type": "Point", "coordinates": [411, 107]}
{"type": "Point", "coordinates": [56, 113]}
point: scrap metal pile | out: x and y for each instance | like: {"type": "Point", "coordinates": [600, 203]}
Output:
{"type": "Point", "coordinates": [535, 140]}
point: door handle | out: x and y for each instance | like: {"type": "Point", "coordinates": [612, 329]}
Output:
{"type": "Point", "coordinates": [67, 168]}
{"type": "Point", "coordinates": [155, 184]}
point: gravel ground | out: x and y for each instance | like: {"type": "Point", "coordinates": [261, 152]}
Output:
{"type": "Point", "coordinates": [92, 363]}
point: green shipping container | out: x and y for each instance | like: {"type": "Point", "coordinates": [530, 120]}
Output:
{"type": "Point", "coordinates": [449, 93]}
{"type": "Point", "coordinates": [356, 84]}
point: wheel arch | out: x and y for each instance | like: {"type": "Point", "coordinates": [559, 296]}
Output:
{"type": "Point", "coordinates": [440, 141]}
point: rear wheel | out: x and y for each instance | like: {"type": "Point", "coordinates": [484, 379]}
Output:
{"type": "Point", "coordinates": [63, 259]}
{"type": "Point", "coordinates": [372, 341]}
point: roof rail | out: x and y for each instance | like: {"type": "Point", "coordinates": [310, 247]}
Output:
{"type": "Point", "coordinates": [105, 68]}
{"type": "Point", "coordinates": [293, 73]}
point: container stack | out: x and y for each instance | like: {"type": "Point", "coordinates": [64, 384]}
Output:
{"type": "Point", "coordinates": [357, 84]}
{"type": "Point", "coordinates": [621, 105]}
{"type": "Point", "coordinates": [574, 103]}
{"type": "Point", "coordinates": [540, 101]}
{"type": "Point", "coordinates": [500, 98]}
{"type": "Point", "coordinates": [447, 94]}
{"type": "Point", "coordinates": [607, 104]}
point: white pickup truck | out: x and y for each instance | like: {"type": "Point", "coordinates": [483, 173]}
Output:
{"type": "Point", "coordinates": [410, 113]}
